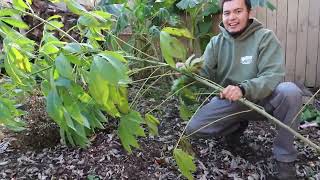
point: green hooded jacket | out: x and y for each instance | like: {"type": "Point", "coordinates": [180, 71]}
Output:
{"type": "Point", "coordinates": [254, 59]}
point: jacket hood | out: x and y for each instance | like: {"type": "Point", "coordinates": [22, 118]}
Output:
{"type": "Point", "coordinates": [254, 26]}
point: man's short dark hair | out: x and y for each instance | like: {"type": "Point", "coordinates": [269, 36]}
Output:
{"type": "Point", "coordinates": [247, 2]}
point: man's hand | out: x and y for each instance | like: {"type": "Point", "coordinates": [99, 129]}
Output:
{"type": "Point", "coordinates": [232, 93]}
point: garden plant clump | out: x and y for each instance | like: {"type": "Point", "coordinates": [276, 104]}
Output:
{"type": "Point", "coordinates": [73, 75]}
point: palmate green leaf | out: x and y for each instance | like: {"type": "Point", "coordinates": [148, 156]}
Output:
{"type": "Point", "coordinates": [68, 119]}
{"type": "Point", "coordinates": [17, 75]}
{"type": "Point", "coordinates": [117, 60]}
{"type": "Point", "coordinates": [111, 108]}
{"type": "Point", "coordinates": [8, 12]}
{"type": "Point", "coordinates": [54, 17]}
{"type": "Point", "coordinates": [110, 68]}
{"type": "Point", "coordinates": [7, 116]}
{"type": "Point", "coordinates": [51, 47]}
{"type": "Point", "coordinates": [55, 109]}
{"type": "Point", "coordinates": [99, 81]}
{"type": "Point", "coordinates": [188, 4]}
{"type": "Point", "coordinates": [75, 7]}
{"type": "Point", "coordinates": [54, 25]}
{"type": "Point", "coordinates": [171, 48]}
{"type": "Point", "coordinates": [20, 60]}
{"type": "Point", "coordinates": [88, 20]}
{"type": "Point", "coordinates": [211, 8]}
{"type": "Point", "coordinates": [129, 129]}
{"type": "Point", "coordinates": [10, 36]}
{"type": "Point", "coordinates": [184, 162]}
{"type": "Point", "coordinates": [184, 112]}
{"type": "Point", "coordinates": [20, 4]}
{"type": "Point", "coordinates": [45, 87]}
{"type": "Point", "coordinates": [98, 88]}
{"type": "Point", "coordinates": [64, 67]}
{"type": "Point", "coordinates": [122, 103]}
{"type": "Point", "coordinates": [152, 123]}
{"type": "Point", "coordinates": [72, 106]}
{"type": "Point", "coordinates": [14, 22]}
{"type": "Point", "coordinates": [82, 96]}
{"type": "Point", "coordinates": [178, 32]}
{"type": "Point", "coordinates": [73, 48]}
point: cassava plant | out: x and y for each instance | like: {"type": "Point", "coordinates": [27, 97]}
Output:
{"type": "Point", "coordinates": [83, 83]}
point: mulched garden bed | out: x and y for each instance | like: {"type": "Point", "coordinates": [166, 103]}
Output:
{"type": "Point", "coordinates": [46, 158]}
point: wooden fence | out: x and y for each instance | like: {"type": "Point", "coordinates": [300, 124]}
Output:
{"type": "Point", "coordinates": [297, 25]}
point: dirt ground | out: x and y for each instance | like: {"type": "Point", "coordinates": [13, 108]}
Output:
{"type": "Point", "coordinates": [38, 154]}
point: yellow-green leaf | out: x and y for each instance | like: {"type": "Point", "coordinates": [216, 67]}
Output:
{"type": "Point", "coordinates": [54, 25]}
{"type": "Point", "coordinates": [20, 4]}
{"type": "Point", "coordinates": [8, 12]}
{"type": "Point", "coordinates": [15, 22]}
{"type": "Point", "coordinates": [75, 7]}
{"type": "Point", "coordinates": [185, 163]}
{"type": "Point", "coordinates": [64, 67]}
{"type": "Point", "coordinates": [178, 32]}
{"type": "Point", "coordinates": [54, 17]}
{"type": "Point", "coordinates": [129, 129]}
{"type": "Point", "coordinates": [152, 123]}
{"type": "Point", "coordinates": [171, 48]}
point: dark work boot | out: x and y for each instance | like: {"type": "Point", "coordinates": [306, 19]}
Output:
{"type": "Point", "coordinates": [286, 171]}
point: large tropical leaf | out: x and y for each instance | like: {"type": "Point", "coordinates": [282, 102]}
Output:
{"type": "Point", "coordinates": [171, 48]}
{"type": "Point", "coordinates": [178, 32]}
{"type": "Point", "coordinates": [187, 4]}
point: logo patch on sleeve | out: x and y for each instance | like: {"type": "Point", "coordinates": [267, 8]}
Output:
{"type": "Point", "coordinates": [246, 60]}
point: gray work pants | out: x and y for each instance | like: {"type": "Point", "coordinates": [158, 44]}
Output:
{"type": "Point", "coordinates": [284, 103]}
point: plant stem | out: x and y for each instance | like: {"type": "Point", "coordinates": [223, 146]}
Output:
{"type": "Point", "coordinates": [167, 74]}
{"type": "Point", "coordinates": [170, 96]}
{"type": "Point", "coordinates": [146, 60]}
{"type": "Point", "coordinates": [41, 70]}
{"type": "Point", "coordinates": [132, 46]}
{"type": "Point", "coordinates": [177, 144]}
{"type": "Point", "coordinates": [135, 98]}
{"type": "Point", "coordinates": [134, 71]}
{"type": "Point", "coordinates": [218, 120]}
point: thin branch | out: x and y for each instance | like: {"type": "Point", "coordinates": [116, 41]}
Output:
{"type": "Point", "coordinates": [218, 120]}
{"type": "Point", "coordinates": [135, 98]}
{"type": "Point", "coordinates": [170, 96]}
{"type": "Point", "coordinates": [134, 71]}
{"type": "Point", "coordinates": [132, 46]}
{"type": "Point", "coordinates": [167, 74]}
{"type": "Point", "coordinates": [191, 118]}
